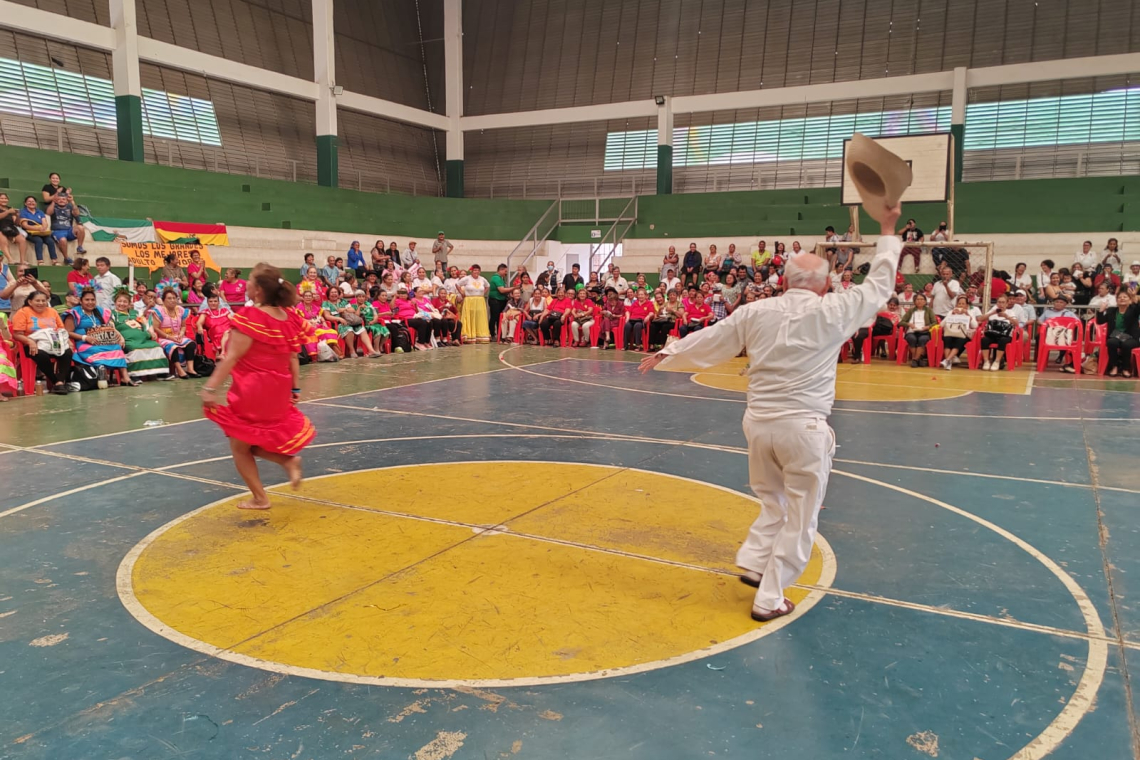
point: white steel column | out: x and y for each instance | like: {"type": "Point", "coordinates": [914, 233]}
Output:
{"type": "Point", "coordinates": [453, 82]}
{"type": "Point", "coordinates": [127, 81]}
{"type": "Point", "coordinates": [324, 73]}
{"type": "Point", "coordinates": [958, 98]}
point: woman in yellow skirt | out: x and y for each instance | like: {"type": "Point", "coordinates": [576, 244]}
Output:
{"type": "Point", "coordinates": [474, 290]}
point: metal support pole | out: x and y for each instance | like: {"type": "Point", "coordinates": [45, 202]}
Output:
{"type": "Point", "coordinates": [359, 182]}
{"type": "Point", "coordinates": [524, 189]}
{"type": "Point", "coordinates": [294, 162]}
{"type": "Point", "coordinates": [215, 161]}
{"type": "Point", "coordinates": [257, 166]}
{"type": "Point", "coordinates": [59, 137]}
{"type": "Point", "coordinates": [597, 204]}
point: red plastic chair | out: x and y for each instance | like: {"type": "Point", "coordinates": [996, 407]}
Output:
{"type": "Point", "coordinates": [873, 342]}
{"type": "Point", "coordinates": [517, 337]}
{"type": "Point", "coordinates": [25, 368]}
{"type": "Point", "coordinates": [1074, 349]}
{"type": "Point", "coordinates": [1097, 340]}
{"type": "Point", "coordinates": [1014, 352]}
{"type": "Point", "coordinates": [1135, 363]}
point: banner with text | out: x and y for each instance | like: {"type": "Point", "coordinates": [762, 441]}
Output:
{"type": "Point", "coordinates": [152, 256]}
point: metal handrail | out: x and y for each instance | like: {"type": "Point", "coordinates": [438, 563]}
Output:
{"type": "Point", "coordinates": [616, 239]}
{"type": "Point", "coordinates": [533, 232]}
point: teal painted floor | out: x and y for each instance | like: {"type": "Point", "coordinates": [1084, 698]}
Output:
{"type": "Point", "coordinates": [983, 605]}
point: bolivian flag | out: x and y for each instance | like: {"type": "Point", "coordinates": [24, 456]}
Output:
{"type": "Point", "coordinates": [205, 234]}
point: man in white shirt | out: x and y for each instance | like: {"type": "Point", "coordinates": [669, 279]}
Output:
{"type": "Point", "coordinates": [946, 291]}
{"type": "Point", "coordinates": [1131, 278]}
{"type": "Point", "coordinates": [1102, 300]}
{"type": "Point", "coordinates": [792, 342]}
{"type": "Point", "coordinates": [616, 281]}
{"type": "Point", "coordinates": [409, 258]}
{"type": "Point", "coordinates": [106, 283]}
{"type": "Point", "coordinates": [671, 280]}
{"type": "Point", "coordinates": [1086, 257]}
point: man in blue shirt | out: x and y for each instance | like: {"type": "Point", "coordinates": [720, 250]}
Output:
{"type": "Point", "coordinates": [330, 274]}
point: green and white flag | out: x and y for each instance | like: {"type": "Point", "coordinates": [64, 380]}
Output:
{"type": "Point", "coordinates": [123, 230]}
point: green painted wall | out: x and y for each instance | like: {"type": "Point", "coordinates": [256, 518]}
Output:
{"type": "Point", "coordinates": [1100, 204]}
{"type": "Point", "coordinates": [130, 191]}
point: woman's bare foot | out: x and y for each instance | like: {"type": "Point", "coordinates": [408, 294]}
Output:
{"type": "Point", "coordinates": [293, 470]}
{"type": "Point", "coordinates": [251, 504]}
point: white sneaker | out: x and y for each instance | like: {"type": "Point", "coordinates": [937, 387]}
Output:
{"type": "Point", "coordinates": [947, 364]}
{"type": "Point", "coordinates": [995, 367]}
{"type": "Point", "coordinates": [957, 359]}
{"type": "Point", "coordinates": [986, 366]}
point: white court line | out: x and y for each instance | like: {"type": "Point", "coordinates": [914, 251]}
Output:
{"type": "Point", "coordinates": [124, 586]}
{"type": "Point", "coordinates": [834, 410]}
{"type": "Point", "coordinates": [62, 494]}
{"type": "Point", "coordinates": [37, 447]}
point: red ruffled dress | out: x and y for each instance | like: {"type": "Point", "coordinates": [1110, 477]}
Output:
{"type": "Point", "coordinates": [261, 410]}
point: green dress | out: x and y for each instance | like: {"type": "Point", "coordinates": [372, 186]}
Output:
{"type": "Point", "coordinates": [368, 314]}
{"type": "Point", "coordinates": [145, 358]}
{"type": "Point", "coordinates": [335, 308]}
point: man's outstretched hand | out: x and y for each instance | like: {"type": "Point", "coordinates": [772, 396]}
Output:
{"type": "Point", "coordinates": [649, 362]}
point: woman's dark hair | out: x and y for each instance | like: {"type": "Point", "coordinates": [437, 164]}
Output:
{"type": "Point", "coordinates": [85, 292]}
{"type": "Point", "coordinates": [79, 263]}
{"type": "Point", "coordinates": [26, 199]}
{"type": "Point", "coordinates": [170, 258]}
{"type": "Point", "coordinates": [374, 293]}
{"type": "Point", "coordinates": [1047, 263]}
{"type": "Point", "coordinates": [169, 292]}
{"type": "Point", "coordinates": [275, 290]}
{"type": "Point", "coordinates": [209, 289]}
{"type": "Point", "coordinates": [1020, 264]}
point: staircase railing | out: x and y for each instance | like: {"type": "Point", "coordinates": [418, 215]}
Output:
{"type": "Point", "coordinates": [613, 237]}
{"type": "Point", "coordinates": [536, 236]}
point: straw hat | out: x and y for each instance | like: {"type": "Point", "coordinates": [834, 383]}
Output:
{"type": "Point", "coordinates": [877, 173]}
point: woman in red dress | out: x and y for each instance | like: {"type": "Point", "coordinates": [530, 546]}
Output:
{"type": "Point", "coordinates": [261, 419]}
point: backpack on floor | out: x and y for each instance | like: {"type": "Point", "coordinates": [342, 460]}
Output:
{"type": "Point", "coordinates": [85, 376]}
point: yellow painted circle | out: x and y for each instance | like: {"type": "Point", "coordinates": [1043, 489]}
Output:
{"type": "Point", "coordinates": [490, 572]}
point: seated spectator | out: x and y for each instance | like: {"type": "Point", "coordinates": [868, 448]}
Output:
{"type": "Point", "coordinates": [1086, 258]}
{"type": "Point", "coordinates": [79, 278]}
{"type": "Point", "coordinates": [698, 315]}
{"type": "Point", "coordinates": [917, 323]}
{"type": "Point", "coordinates": [97, 342]}
{"type": "Point", "coordinates": [712, 260]}
{"type": "Point", "coordinates": [637, 316]}
{"type": "Point", "coordinates": [958, 328]}
{"type": "Point", "coordinates": [310, 309]}
{"type": "Point", "coordinates": [551, 319]}
{"type": "Point", "coordinates": [233, 288]}
{"type": "Point", "coordinates": [512, 316]}
{"type": "Point", "coordinates": [612, 310]}
{"type": "Point", "coordinates": [148, 303]}
{"type": "Point", "coordinates": [169, 320]}
{"type": "Point", "coordinates": [1021, 278]}
{"type": "Point", "coordinates": [450, 325]}
{"type": "Point", "coordinates": [1111, 254]}
{"type": "Point", "coordinates": [1060, 308]}
{"type": "Point", "coordinates": [309, 265]}
{"type": "Point", "coordinates": [667, 310]}
{"type": "Point", "coordinates": [349, 286]}
{"type": "Point", "coordinates": [145, 358]}
{"type": "Point", "coordinates": [64, 225]}
{"type": "Point", "coordinates": [1026, 313]}
{"type": "Point", "coordinates": [616, 281]}
{"type": "Point", "coordinates": [940, 235]}
{"type": "Point", "coordinates": [1122, 323]}
{"type": "Point", "coordinates": [355, 259]}
{"type": "Point", "coordinates": [378, 257]}
{"type": "Point", "coordinates": [106, 283]}
{"type": "Point", "coordinates": [400, 334]}
{"type": "Point", "coordinates": [533, 309]}
{"type": "Point", "coordinates": [906, 297]}
{"type": "Point", "coordinates": [911, 234]}
{"type": "Point", "coordinates": [10, 231]}
{"type": "Point", "coordinates": [1083, 279]}
{"type": "Point", "coordinates": [411, 258]}
{"type": "Point", "coordinates": [214, 324]}
{"type": "Point", "coordinates": [1068, 286]}
{"type": "Point", "coordinates": [1132, 277]}
{"type": "Point", "coordinates": [173, 275]}
{"type": "Point", "coordinates": [15, 293]}
{"type": "Point", "coordinates": [1103, 299]}
{"type": "Point", "coordinates": [310, 283]}
{"type": "Point", "coordinates": [329, 273]}
{"type": "Point", "coordinates": [671, 281]}
{"type": "Point", "coordinates": [1106, 275]}
{"type": "Point", "coordinates": [581, 319]}
{"type": "Point", "coordinates": [428, 315]}
{"type": "Point", "coordinates": [375, 331]}
{"type": "Point", "coordinates": [998, 324]}
{"type": "Point", "coordinates": [1051, 288]}
{"type": "Point", "coordinates": [338, 311]}
{"type": "Point", "coordinates": [37, 227]}
{"type": "Point", "coordinates": [883, 325]}
{"type": "Point", "coordinates": [41, 330]}
{"type": "Point", "coordinates": [670, 264]}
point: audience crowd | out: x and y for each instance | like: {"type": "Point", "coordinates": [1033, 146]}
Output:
{"type": "Point", "coordinates": [390, 300]}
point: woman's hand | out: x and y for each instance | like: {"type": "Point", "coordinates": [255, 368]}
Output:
{"type": "Point", "coordinates": [33, 349]}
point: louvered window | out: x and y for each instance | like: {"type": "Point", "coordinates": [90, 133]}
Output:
{"type": "Point", "coordinates": [27, 89]}
{"type": "Point", "coordinates": [1106, 117]}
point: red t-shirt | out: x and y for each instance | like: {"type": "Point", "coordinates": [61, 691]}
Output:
{"type": "Point", "coordinates": [76, 281]}
{"type": "Point", "coordinates": [638, 310]}
{"type": "Point", "coordinates": [694, 313]}
{"type": "Point", "coordinates": [233, 291]}
{"type": "Point", "coordinates": [560, 305]}
{"type": "Point", "coordinates": [998, 287]}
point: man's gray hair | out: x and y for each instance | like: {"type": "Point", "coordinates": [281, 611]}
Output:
{"type": "Point", "coordinates": [806, 271]}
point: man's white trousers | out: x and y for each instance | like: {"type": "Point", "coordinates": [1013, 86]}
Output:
{"type": "Point", "coordinates": [789, 462]}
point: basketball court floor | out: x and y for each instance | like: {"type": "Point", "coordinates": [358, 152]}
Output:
{"type": "Point", "coordinates": [528, 553]}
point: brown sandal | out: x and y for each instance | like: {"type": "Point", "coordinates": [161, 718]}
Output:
{"type": "Point", "coordinates": [784, 609]}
